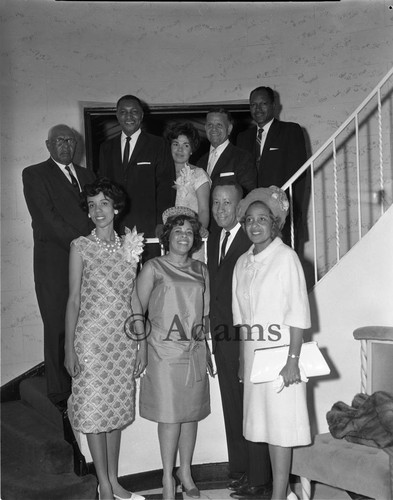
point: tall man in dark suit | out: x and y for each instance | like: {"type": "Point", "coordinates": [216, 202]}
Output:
{"type": "Point", "coordinates": [224, 159]}
{"type": "Point", "coordinates": [249, 462]}
{"type": "Point", "coordinates": [278, 149]}
{"type": "Point", "coordinates": [141, 163]}
{"type": "Point", "coordinates": [52, 191]}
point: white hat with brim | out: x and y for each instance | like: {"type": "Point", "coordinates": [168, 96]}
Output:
{"type": "Point", "coordinates": [273, 197]}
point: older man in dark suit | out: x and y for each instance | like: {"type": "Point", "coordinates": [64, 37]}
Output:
{"type": "Point", "coordinates": [141, 163]}
{"type": "Point", "coordinates": [224, 159]}
{"type": "Point", "coordinates": [52, 192]}
{"type": "Point", "coordinates": [249, 463]}
{"type": "Point", "coordinates": [278, 150]}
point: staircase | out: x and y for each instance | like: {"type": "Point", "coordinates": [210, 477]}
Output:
{"type": "Point", "coordinates": [351, 187]}
{"type": "Point", "coordinates": [351, 180]}
{"type": "Point", "coordinates": [37, 463]}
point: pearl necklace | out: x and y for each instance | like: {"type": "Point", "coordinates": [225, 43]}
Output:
{"type": "Point", "coordinates": [110, 247]}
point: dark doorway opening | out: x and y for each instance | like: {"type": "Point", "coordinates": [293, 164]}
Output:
{"type": "Point", "coordinates": [101, 124]}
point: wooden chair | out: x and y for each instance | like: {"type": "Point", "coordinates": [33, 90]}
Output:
{"type": "Point", "coordinates": [353, 467]}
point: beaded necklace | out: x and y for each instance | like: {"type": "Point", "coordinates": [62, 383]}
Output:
{"type": "Point", "coordinates": [110, 247]}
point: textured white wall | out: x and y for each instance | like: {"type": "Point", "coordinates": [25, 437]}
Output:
{"type": "Point", "coordinates": [356, 293]}
{"type": "Point", "coordinates": [323, 59]}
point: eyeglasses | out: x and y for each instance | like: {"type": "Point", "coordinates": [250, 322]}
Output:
{"type": "Point", "coordinates": [60, 141]}
{"type": "Point", "coordinates": [248, 221]}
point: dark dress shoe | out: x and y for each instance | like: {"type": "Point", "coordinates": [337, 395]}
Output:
{"type": "Point", "coordinates": [237, 483]}
{"type": "Point", "coordinates": [247, 491]}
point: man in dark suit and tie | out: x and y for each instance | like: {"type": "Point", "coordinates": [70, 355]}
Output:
{"type": "Point", "coordinates": [249, 462]}
{"type": "Point", "coordinates": [52, 192]}
{"type": "Point", "coordinates": [279, 150]}
{"type": "Point", "coordinates": [141, 163]}
{"type": "Point", "coordinates": [224, 159]}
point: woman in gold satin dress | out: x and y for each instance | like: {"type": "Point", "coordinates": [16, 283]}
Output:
{"type": "Point", "coordinates": [174, 289]}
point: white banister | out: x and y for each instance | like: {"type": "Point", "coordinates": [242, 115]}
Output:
{"type": "Point", "coordinates": [380, 149]}
{"type": "Point", "coordinates": [311, 165]}
{"type": "Point", "coordinates": [342, 181]}
{"type": "Point", "coordinates": [358, 176]}
{"type": "Point", "coordinates": [336, 217]}
{"type": "Point", "coordinates": [314, 225]}
{"type": "Point", "coordinates": [338, 132]}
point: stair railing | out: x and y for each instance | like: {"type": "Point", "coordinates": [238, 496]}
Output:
{"type": "Point", "coordinates": [378, 197]}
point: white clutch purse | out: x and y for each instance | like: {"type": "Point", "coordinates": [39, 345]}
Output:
{"type": "Point", "coordinates": [269, 362]}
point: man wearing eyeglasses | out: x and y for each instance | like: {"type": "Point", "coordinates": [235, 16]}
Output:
{"type": "Point", "coordinates": [52, 192]}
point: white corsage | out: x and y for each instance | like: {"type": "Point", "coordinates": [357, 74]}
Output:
{"type": "Point", "coordinates": [132, 245]}
{"type": "Point", "coordinates": [185, 178]}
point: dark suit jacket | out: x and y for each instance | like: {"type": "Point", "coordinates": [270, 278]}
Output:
{"type": "Point", "coordinates": [221, 288]}
{"type": "Point", "coordinates": [233, 159]}
{"type": "Point", "coordinates": [284, 152]}
{"type": "Point", "coordinates": [57, 217]}
{"type": "Point", "coordinates": [148, 179]}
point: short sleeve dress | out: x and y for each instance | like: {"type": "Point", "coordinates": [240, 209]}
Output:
{"type": "Point", "coordinates": [187, 184]}
{"type": "Point", "coordinates": [175, 388]}
{"type": "Point", "coordinates": [270, 295]}
{"type": "Point", "coordinates": [103, 394]}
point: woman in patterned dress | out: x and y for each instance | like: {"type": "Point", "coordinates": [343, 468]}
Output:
{"type": "Point", "coordinates": [102, 360]}
{"type": "Point", "coordinates": [192, 183]}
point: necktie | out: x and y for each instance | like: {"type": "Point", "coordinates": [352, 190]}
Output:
{"type": "Point", "coordinates": [259, 142]}
{"type": "Point", "coordinates": [212, 161]}
{"type": "Point", "coordinates": [74, 182]}
{"type": "Point", "coordinates": [224, 245]}
{"type": "Point", "coordinates": [126, 153]}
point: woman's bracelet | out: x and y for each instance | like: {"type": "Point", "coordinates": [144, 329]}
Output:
{"type": "Point", "coordinates": [293, 356]}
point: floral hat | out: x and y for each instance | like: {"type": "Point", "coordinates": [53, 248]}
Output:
{"type": "Point", "coordinates": [174, 211]}
{"type": "Point", "coordinates": [274, 197]}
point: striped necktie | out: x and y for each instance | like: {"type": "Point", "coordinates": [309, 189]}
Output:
{"type": "Point", "coordinates": [74, 182]}
{"type": "Point", "coordinates": [259, 143]}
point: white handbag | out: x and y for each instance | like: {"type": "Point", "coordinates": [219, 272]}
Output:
{"type": "Point", "coordinates": [269, 362]}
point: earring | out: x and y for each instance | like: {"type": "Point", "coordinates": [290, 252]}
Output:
{"type": "Point", "coordinates": [89, 216]}
{"type": "Point", "coordinates": [116, 212]}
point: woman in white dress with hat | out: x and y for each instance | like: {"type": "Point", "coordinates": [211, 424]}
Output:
{"type": "Point", "coordinates": [270, 300]}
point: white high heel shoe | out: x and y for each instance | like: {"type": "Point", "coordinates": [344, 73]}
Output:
{"type": "Point", "coordinates": [292, 496]}
{"type": "Point", "coordinates": [134, 496]}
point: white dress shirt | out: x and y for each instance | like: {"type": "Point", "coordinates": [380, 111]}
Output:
{"type": "Point", "coordinates": [133, 139]}
{"type": "Point", "coordinates": [72, 168]}
{"type": "Point", "coordinates": [231, 237]}
{"type": "Point", "coordinates": [264, 134]}
{"type": "Point", "coordinates": [216, 152]}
